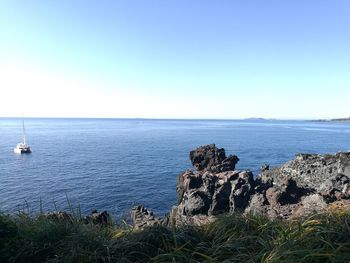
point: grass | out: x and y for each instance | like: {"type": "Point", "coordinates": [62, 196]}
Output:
{"type": "Point", "coordinates": [323, 237]}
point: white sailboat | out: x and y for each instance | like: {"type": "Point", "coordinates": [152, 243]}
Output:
{"type": "Point", "coordinates": [22, 147]}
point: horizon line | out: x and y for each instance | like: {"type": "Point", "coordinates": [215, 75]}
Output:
{"type": "Point", "coordinates": [155, 118]}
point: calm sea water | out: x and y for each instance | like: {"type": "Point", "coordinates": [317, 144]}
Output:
{"type": "Point", "coordinates": [112, 164]}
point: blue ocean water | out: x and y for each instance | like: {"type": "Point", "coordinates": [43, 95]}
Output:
{"type": "Point", "coordinates": [112, 164]}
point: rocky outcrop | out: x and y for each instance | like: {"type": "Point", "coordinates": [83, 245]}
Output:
{"type": "Point", "coordinates": [141, 218]}
{"type": "Point", "coordinates": [213, 193]}
{"type": "Point", "coordinates": [311, 170]}
{"type": "Point", "coordinates": [308, 183]}
{"type": "Point", "coordinates": [96, 218]}
{"type": "Point", "coordinates": [213, 188]}
{"type": "Point", "coordinates": [209, 158]}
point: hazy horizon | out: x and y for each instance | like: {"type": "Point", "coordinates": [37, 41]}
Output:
{"type": "Point", "coordinates": [196, 59]}
{"type": "Point", "coordinates": [166, 119]}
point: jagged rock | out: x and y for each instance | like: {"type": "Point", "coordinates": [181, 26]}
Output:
{"type": "Point", "coordinates": [213, 189]}
{"type": "Point", "coordinates": [302, 185]}
{"type": "Point", "coordinates": [259, 205]}
{"type": "Point", "coordinates": [210, 194]}
{"type": "Point", "coordinates": [336, 188]}
{"type": "Point", "coordinates": [288, 192]}
{"type": "Point", "coordinates": [265, 167]}
{"type": "Point", "coordinates": [95, 217]}
{"type": "Point", "coordinates": [309, 204]}
{"type": "Point", "coordinates": [241, 191]}
{"type": "Point", "coordinates": [98, 218]}
{"type": "Point", "coordinates": [310, 170]}
{"type": "Point", "coordinates": [209, 190]}
{"type": "Point", "coordinates": [176, 218]}
{"type": "Point", "coordinates": [212, 159]}
{"type": "Point", "coordinates": [142, 218]}
{"type": "Point", "coordinates": [297, 188]}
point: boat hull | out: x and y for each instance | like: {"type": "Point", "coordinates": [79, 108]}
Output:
{"type": "Point", "coordinates": [20, 151]}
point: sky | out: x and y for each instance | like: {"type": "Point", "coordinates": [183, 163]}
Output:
{"type": "Point", "coordinates": [224, 59]}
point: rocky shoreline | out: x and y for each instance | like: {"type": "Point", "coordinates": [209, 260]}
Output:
{"type": "Point", "coordinates": [308, 183]}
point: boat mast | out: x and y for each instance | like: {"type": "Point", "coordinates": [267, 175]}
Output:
{"type": "Point", "coordinates": [23, 132]}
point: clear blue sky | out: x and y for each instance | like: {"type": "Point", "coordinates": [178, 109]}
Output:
{"type": "Point", "coordinates": [175, 59]}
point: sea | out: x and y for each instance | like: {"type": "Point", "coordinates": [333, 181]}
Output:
{"type": "Point", "coordinates": [114, 164]}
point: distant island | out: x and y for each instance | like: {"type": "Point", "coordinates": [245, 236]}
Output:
{"type": "Point", "coordinates": [255, 119]}
{"type": "Point", "coordinates": [334, 120]}
{"type": "Point", "coordinates": [259, 119]}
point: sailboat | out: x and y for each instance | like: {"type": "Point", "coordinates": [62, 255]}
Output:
{"type": "Point", "coordinates": [22, 147]}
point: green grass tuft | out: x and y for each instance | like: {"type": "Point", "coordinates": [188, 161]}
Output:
{"type": "Point", "coordinates": [323, 237]}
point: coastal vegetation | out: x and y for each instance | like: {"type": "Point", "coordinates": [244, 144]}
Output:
{"type": "Point", "coordinates": [321, 237]}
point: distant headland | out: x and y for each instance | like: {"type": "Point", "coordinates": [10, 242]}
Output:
{"type": "Point", "coordinates": [334, 120]}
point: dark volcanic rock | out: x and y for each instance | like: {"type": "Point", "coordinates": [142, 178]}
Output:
{"type": "Point", "coordinates": [215, 187]}
{"type": "Point", "coordinates": [98, 218]}
{"type": "Point", "coordinates": [212, 159]}
{"type": "Point", "coordinates": [309, 204]}
{"type": "Point", "coordinates": [305, 184]}
{"type": "Point", "coordinates": [288, 192]}
{"type": "Point", "coordinates": [265, 167]}
{"type": "Point", "coordinates": [302, 185]}
{"type": "Point", "coordinates": [310, 170]}
{"type": "Point", "coordinates": [336, 188]}
{"type": "Point", "coordinates": [211, 194]}
{"type": "Point", "coordinates": [142, 218]}
{"type": "Point", "coordinates": [277, 200]}
{"type": "Point", "coordinates": [102, 218]}
{"type": "Point", "coordinates": [241, 191]}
